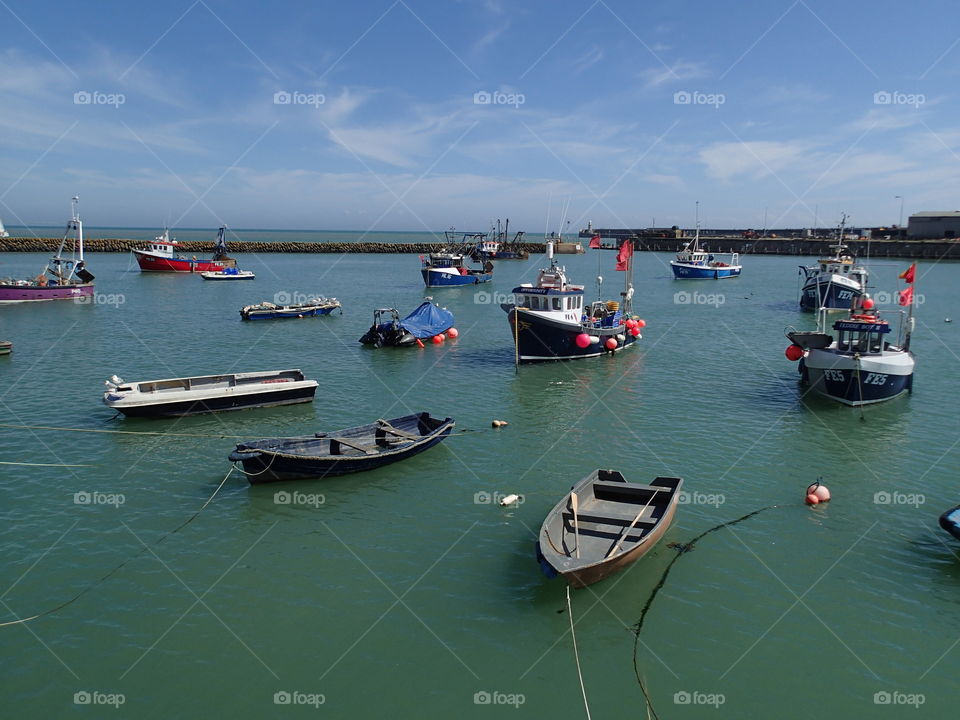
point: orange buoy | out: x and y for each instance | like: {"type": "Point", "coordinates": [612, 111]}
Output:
{"type": "Point", "coordinates": [611, 343]}
{"type": "Point", "coordinates": [437, 339]}
{"type": "Point", "coordinates": [813, 500]}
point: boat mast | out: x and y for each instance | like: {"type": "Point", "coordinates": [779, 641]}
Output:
{"type": "Point", "coordinates": [696, 236]}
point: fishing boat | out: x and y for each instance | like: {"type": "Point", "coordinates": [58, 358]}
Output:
{"type": "Point", "coordinates": [498, 246]}
{"type": "Point", "coordinates": [228, 273]}
{"type": "Point", "coordinates": [603, 524]}
{"type": "Point", "coordinates": [271, 311]}
{"type": "Point", "coordinates": [6, 347]}
{"type": "Point", "coordinates": [835, 282]}
{"type": "Point", "coordinates": [449, 269]}
{"type": "Point", "coordinates": [64, 278]}
{"type": "Point", "coordinates": [861, 366]}
{"type": "Point", "coordinates": [950, 521]}
{"type": "Point", "coordinates": [694, 263]}
{"type": "Point", "coordinates": [339, 452]}
{"type": "Point", "coordinates": [550, 319]}
{"type": "Point", "coordinates": [175, 397]}
{"type": "Point", "coordinates": [162, 255]}
{"type": "Point", "coordinates": [3, 230]}
{"type": "Point", "coordinates": [427, 321]}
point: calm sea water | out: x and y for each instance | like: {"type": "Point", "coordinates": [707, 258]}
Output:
{"type": "Point", "coordinates": [405, 592]}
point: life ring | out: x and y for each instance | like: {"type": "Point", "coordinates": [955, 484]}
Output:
{"type": "Point", "coordinates": [871, 318]}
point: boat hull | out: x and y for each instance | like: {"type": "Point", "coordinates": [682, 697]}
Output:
{"type": "Point", "coordinates": [836, 294]}
{"type": "Point", "coordinates": [541, 339]}
{"type": "Point", "coordinates": [950, 521]}
{"type": "Point", "coordinates": [10, 293]}
{"type": "Point", "coordinates": [155, 263]}
{"type": "Point", "coordinates": [287, 314]}
{"type": "Point", "coordinates": [263, 468]}
{"type": "Point", "coordinates": [221, 403]}
{"type": "Point", "coordinates": [851, 382]}
{"type": "Point", "coordinates": [444, 277]}
{"type": "Point", "coordinates": [684, 271]}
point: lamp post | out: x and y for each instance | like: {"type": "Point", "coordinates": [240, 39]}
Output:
{"type": "Point", "coordinates": [900, 224]}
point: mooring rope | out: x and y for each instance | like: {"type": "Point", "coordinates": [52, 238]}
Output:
{"type": "Point", "coordinates": [576, 655]}
{"type": "Point", "coordinates": [130, 559]}
{"type": "Point", "coordinates": [43, 464]}
{"type": "Point", "coordinates": [682, 548]}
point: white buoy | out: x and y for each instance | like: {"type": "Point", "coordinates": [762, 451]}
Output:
{"type": "Point", "coordinates": [509, 499]}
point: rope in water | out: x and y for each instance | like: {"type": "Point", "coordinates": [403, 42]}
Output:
{"type": "Point", "coordinates": [42, 464]}
{"type": "Point", "coordinates": [130, 559]}
{"type": "Point", "coordinates": [576, 655]}
{"type": "Point", "coordinates": [682, 550]}
{"type": "Point", "coordinates": [172, 434]}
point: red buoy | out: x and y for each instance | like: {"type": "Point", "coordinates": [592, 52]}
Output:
{"type": "Point", "coordinates": [611, 343]}
{"type": "Point", "coordinates": [813, 500]}
{"type": "Point", "coordinates": [867, 304]}
{"type": "Point", "coordinates": [437, 339]}
{"type": "Point", "coordinates": [641, 323]}
{"type": "Point", "coordinates": [793, 352]}
{"type": "Point", "coordinates": [582, 340]}
{"type": "Point", "coordinates": [635, 331]}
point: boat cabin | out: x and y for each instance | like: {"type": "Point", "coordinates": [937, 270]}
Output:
{"type": "Point", "coordinates": [861, 336]}
{"type": "Point", "coordinates": [488, 247]}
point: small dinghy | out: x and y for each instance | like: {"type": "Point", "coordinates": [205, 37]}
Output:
{"type": "Point", "coordinates": [210, 393]}
{"type": "Point", "coordinates": [228, 273]}
{"type": "Point", "coordinates": [6, 347]}
{"type": "Point", "coordinates": [950, 521]}
{"type": "Point", "coordinates": [270, 311]}
{"type": "Point", "coordinates": [341, 451]}
{"type": "Point", "coordinates": [425, 322]}
{"type": "Point", "coordinates": [603, 524]}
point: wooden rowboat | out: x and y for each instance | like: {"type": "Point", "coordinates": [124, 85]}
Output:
{"type": "Point", "coordinates": [603, 524]}
{"type": "Point", "coordinates": [338, 452]}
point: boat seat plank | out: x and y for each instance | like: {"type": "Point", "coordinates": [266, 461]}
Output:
{"type": "Point", "coordinates": [386, 428]}
{"type": "Point", "coordinates": [624, 520]}
{"type": "Point", "coordinates": [335, 444]}
{"type": "Point", "coordinates": [632, 487]}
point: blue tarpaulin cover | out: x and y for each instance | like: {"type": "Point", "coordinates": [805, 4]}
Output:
{"type": "Point", "coordinates": [427, 320]}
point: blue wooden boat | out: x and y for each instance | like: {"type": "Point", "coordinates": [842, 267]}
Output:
{"type": "Point", "coordinates": [339, 452]}
{"type": "Point", "coordinates": [271, 311]}
{"type": "Point", "coordinates": [950, 521]}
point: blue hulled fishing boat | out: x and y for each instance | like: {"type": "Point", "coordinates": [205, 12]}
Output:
{"type": "Point", "coordinates": [693, 263]}
{"type": "Point", "coordinates": [835, 282]}
{"type": "Point", "coordinates": [551, 321]}
{"type": "Point", "coordinates": [862, 365]}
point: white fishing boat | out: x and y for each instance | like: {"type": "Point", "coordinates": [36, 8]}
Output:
{"type": "Point", "coordinates": [174, 397]}
{"type": "Point", "coordinates": [835, 282]}
{"type": "Point", "coordinates": [3, 230]}
{"type": "Point", "coordinates": [230, 273]}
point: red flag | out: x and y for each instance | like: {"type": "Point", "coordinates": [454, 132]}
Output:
{"type": "Point", "coordinates": [595, 242]}
{"type": "Point", "coordinates": [908, 275]}
{"type": "Point", "coordinates": [906, 295]}
{"type": "Point", "coordinates": [623, 257]}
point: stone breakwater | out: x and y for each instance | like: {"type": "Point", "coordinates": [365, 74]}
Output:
{"type": "Point", "coordinates": [198, 247]}
{"type": "Point", "coordinates": [931, 249]}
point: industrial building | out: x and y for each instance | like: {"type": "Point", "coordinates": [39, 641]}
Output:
{"type": "Point", "coordinates": [934, 224]}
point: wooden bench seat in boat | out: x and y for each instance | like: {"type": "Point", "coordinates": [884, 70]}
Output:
{"type": "Point", "coordinates": [632, 489]}
{"type": "Point", "coordinates": [335, 444]}
{"type": "Point", "coordinates": [384, 428]}
{"type": "Point", "coordinates": [624, 520]}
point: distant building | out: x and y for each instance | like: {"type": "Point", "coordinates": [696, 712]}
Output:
{"type": "Point", "coordinates": [934, 224]}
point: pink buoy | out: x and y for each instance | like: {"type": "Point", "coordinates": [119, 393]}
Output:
{"type": "Point", "coordinates": [867, 304]}
{"type": "Point", "coordinates": [641, 323]}
{"type": "Point", "coordinates": [635, 331]}
{"type": "Point", "coordinates": [582, 340]}
{"type": "Point", "coordinates": [821, 491]}
{"type": "Point", "coordinates": [813, 500]}
{"type": "Point", "coordinates": [630, 324]}
{"type": "Point", "coordinates": [611, 344]}
{"type": "Point", "coordinates": [452, 333]}
{"type": "Point", "coordinates": [437, 339]}
{"type": "Point", "coordinates": [793, 352]}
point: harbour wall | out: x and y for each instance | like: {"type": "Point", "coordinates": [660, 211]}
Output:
{"type": "Point", "coordinates": [920, 249]}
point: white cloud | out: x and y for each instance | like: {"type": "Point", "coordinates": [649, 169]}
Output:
{"type": "Point", "coordinates": [680, 70]}
{"type": "Point", "coordinates": [727, 160]}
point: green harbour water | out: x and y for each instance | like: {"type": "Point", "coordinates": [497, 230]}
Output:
{"type": "Point", "coordinates": [407, 592]}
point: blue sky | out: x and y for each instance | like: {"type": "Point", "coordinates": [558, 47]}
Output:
{"type": "Point", "coordinates": [621, 112]}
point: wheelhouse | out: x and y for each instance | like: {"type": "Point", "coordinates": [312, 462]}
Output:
{"type": "Point", "coordinates": [861, 337]}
